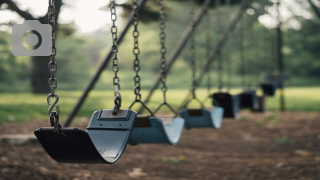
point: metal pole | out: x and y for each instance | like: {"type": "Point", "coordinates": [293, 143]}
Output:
{"type": "Point", "coordinates": [102, 66]}
{"type": "Point", "coordinates": [178, 48]}
{"type": "Point", "coordinates": [280, 57]}
{"type": "Point", "coordinates": [220, 44]}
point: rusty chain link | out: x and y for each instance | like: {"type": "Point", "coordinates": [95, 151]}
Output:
{"type": "Point", "coordinates": [163, 49]}
{"type": "Point", "coordinates": [115, 62]}
{"type": "Point", "coordinates": [207, 24]}
{"type": "Point", "coordinates": [52, 66]}
{"type": "Point", "coordinates": [136, 50]}
{"type": "Point", "coordinates": [193, 49]}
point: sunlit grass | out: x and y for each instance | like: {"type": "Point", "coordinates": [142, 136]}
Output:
{"type": "Point", "coordinates": [26, 106]}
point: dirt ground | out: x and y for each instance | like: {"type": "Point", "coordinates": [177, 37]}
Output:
{"type": "Point", "coordinates": [256, 146]}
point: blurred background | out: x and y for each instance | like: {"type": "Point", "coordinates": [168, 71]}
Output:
{"type": "Point", "coordinates": [84, 39]}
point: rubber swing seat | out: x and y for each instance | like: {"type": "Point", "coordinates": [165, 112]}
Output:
{"type": "Point", "coordinates": [249, 99]}
{"type": "Point", "coordinates": [159, 129]}
{"type": "Point", "coordinates": [103, 142]}
{"type": "Point", "coordinates": [202, 118]}
{"type": "Point", "coordinates": [268, 89]}
{"type": "Point", "coordinates": [230, 103]}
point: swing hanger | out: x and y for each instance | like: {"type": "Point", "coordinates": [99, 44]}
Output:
{"type": "Point", "coordinates": [108, 131]}
{"type": "Point", "coordinates": [136, 62]}
{"type": "Point", "coordinates": [192, 58]}
{"type": "Point", "coordinates": [152, 129]}
{"type": "Point", "coordinates": [163, 59]}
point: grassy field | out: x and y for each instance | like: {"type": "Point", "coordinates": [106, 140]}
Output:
{"type": "Point", "coordinates": [25, 106]}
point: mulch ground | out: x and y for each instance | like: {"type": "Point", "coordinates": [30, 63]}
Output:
{"type": "Point", "coordinates": [256, 146]}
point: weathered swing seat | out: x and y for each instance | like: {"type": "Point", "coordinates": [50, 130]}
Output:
{"type": "Point", "coordinates": [271, 82]}
{"type": "Point", "coordinates": [249, 99]}
{"type": "Point", "coordinates": [103, 142]}
{"type": "Point", "coordinates": [160, 129]}
{"type": "Point", "coordinates": [230, 103]}
{"type": "Point", "coordinates": [202, 118]}
{"type": "Point", "coordinates": [261, 104]}
{"type": "Point", "coordinates": [268, 89]}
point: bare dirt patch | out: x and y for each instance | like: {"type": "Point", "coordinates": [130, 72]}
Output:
{"type": "Point", "coordinates": [256, 146]}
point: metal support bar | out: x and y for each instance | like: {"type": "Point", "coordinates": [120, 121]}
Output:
{"type": "Point", "coordinates": [178, 48]}
{"type": "Point", "coordinates": [315, 8]}
{"type": "Point", "coordinates": [223, 40]}
{"type": "Point", "coordinates": [102, 66]}
{"type": "Point", "coordinates": [280, 56]}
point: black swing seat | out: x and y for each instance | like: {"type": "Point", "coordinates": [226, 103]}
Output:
{"type": "Point", "coordinates": [158, 129]}
{"type": "Point", "coordinates": [202, 118]}
{"type": "Point", "coordinates": [271, 82]}
{"type": "Point", "coordinates": [268, 89]}
{"type": "Point", "coordinates": [103, 142]}
{"type": "Point", "coordinates": [249, 99]}
{"type": "Point", "coordinates": [261, 104]}
{"type": "Point", "coordinates": [230, 103]}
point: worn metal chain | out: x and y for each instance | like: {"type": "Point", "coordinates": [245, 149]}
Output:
{"type": "Point", "coordinates": [208, 49]}
{"type": "Point", "coordinates": [53, 82]}
{"type": "Point", "coordinates": [136, 50]}
{"type": "Point", "coordinates": [242, 49]}
{"type": "Point", "coordinates": [219, 58]}
{"type": "Point", "coordinates": [193, 49]}
{"type": "Point", "coordinates": [163, 49]}
{"type": "Point", "coordinates": [115, 66]}
{"type": "Point", "coordinates": [228, 48]}
{"type": "Point", "coordinates": [52, 65]}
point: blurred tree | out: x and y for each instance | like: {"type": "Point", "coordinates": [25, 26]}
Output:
{"type": "Point", "coordinates": [39, 75]}
{"type": "Point", "coordinates": [7, 59]}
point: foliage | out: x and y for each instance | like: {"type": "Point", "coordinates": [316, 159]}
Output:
{"type": "Point", "coordinates": [13, 70]}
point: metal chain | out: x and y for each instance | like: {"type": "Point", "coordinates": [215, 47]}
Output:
{"type": "Point", "coordinates": [241, 49]}
{"type": "Point", "coordinates": [115, 66]}
{"type": "Point", "coordinates": [228, 58]}
{"type": "Point", "coordinates": [52, 66]}
{"type": "Point", "coordinates": [219, 58]}
{"type": "Point", "coordinates": [208, 48]}
{"type": "Point", "coordinates": [163, 49]}
{"type": "Point", "coordinates": [193, 50]}
{"type": "Point", "coordinates": [136, 50]}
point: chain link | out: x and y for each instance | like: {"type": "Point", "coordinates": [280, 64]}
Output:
{"type": "Point", "coordinates": [219, 58]}
{"type": "Point", "coordinates": [52, 65]}
{"type": "Point", "coordinates": [241, 49]}
{"type": "Point", "coordinates": [228, 48]}
{"type": "Point", "coordinates": [208, 48]}
{"type": "Point", "coordinates": [136, 50]}
{"type": "Point", "coordinates": [115, 66]}
{"type": "Point", "coordinates": [163, 49]}
{"type": "Point", "coordinates": [193, 49]}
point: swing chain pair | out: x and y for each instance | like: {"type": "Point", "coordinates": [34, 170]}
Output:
{"type": "Point", "coordinates": [115, 66]}
{"type": "Point", "coordinates": [136, 49]}
{"type": "Point", "coordinates": [163, 49]}
{"type": "Point", "coordinates": [193, 50]}
{"type": "Point", "coordinates": [52, 65]}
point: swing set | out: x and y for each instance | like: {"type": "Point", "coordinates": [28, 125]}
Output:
{"type": "Point", "coordinates": [110, 130]}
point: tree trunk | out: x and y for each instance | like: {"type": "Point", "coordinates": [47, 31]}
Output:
{"type": "Point", "coordinates": [40, 75]}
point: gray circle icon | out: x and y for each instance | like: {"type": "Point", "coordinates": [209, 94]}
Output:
{"type": "Point", "coordinates": [32, 39]}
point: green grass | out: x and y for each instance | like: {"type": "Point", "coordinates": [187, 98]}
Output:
{"type": "Point", "coordinates": [26, 106]}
